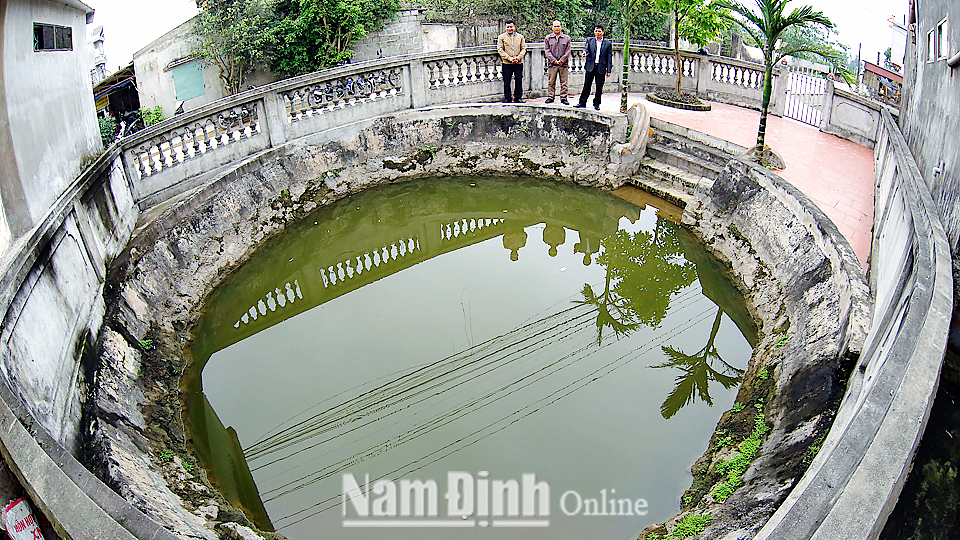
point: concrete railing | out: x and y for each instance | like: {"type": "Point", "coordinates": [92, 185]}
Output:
{"type": "Point", "coordinates": [51, 297]}
{"type": "Point", "coordinates": [179, 153]}
{"type": "Point", "coordinates": [851, 117]}
{"type": "Point", "coordinates": [854, 482]}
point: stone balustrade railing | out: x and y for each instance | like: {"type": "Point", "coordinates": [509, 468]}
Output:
{"type": "Point", "coordinates": [177, 154]}
{"type": "Point", "coordinates": [854, 482]}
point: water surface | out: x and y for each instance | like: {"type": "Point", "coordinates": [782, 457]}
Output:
{"type": "Point", "coordinates": [495, 328]}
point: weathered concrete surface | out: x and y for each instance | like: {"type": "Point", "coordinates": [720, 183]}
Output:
{"type": "Point", "coordinates": [40, 88]}
{"type": "Point", "coordinates": [171, 266]}
{"type": "Point", "coordinates": [806, 290]}
{"type": "Point", "coordinates": [856, 479]}
{"type": "Point", "coordinates": [930, 120]}
{"type": "Point", "coordinates": [850, 116]}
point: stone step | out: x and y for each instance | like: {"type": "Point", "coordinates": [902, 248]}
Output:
{"type": "Point", "coordinates": [705, 153]}
{"type": "Point", "coordinates": [662, 189]}
{"type": "Point", "coordinates": [661, 126]}
{"type": "Point", "coordinates": [670, 174]}
{"type": "Point", "coordinates": [681, 159]}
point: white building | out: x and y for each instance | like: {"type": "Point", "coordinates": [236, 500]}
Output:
{"type": "Point", "coordinates": [99, 57]}
{"type": "Point", "coordinates": [48, 128]}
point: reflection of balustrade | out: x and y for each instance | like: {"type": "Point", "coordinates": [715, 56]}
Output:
{"type": "Point", "coordinates": [317, 97]}
{"type": "Point", "coordinates": [289, 295]}
{"type": "Point", "coordinates": [342, 271]}
{"type": "Point", "coordinates": [449, 231]}
{"type": "Point", "coordinates": [197, 137]}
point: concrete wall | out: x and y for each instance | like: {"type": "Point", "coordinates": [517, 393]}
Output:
{"type": "Point", "coordinates": [155, 76]}
{"type": "Point", "coordinates": [850, 116]}
{"type": "Point", "coordinates": [930, 118]}
{"type": "Point", "coordinates": [403, 35]}
{"type": "Point", "coordinates": [47, 127]}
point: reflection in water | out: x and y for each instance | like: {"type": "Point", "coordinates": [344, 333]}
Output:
{"type": "Point", "coordinates": [395, 413]}
{"type": "Point", "coordinates": [698, 372]}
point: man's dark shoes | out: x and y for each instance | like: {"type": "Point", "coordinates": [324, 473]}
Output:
{"type": "Point", "coordinates": [580, 105]}
{"type": "Point", "coordinates": [549, 100]}
{"type": "Point", "coordinates": [564, 101]}
{"type": "Point", "coordinates": [596, 107]}
{"type": "Point", "coordinates": [518, 100]}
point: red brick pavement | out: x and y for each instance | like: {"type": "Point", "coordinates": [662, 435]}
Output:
{"type": "Point", "coordinates": [835, 173]}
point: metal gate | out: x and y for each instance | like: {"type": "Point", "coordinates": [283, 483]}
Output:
{"type": "Point", "coordinates": [805, 93]}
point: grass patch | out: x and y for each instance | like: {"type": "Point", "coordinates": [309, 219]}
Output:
{"type": "Point", "coordinates": [736, 467]}
{"type": "Point", "coordinates": [690, 525]}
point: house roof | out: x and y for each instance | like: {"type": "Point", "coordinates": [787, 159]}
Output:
{"type": "Point", "coordinates": [115, 81]}
{"type": "Point", "coordinates": [883, 72]}
{"type": "Point", "coordinates": [75, 4]}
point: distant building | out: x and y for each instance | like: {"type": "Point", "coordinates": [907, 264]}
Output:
{"type": "Point", "coordinates": [48, 128]}
{"type": "Point", "coordinates": [168, 74]}
{"type": "Point", "coordinates": [882, 83]}
{"type": "Point", "coordinates": [898, 44]}
{"type": "Point", "coordinates": [99, 70]}
{"type": "Point", "coordinates": [116, 96]}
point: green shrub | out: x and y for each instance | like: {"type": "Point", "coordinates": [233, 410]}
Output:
{"type": "Point", "coordinates": [691, 525]}
{"type": "Point", "coordinates": [735, 468]}
{"type": "Point", "coordinates": [152, 116]}
{"type": "Point", "coordinates": [108, 130]}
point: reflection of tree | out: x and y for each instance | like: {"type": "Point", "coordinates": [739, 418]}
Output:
{"type": "Point", "coordinates": [612, 311]}
{"type": "Point", "coordinates": [643, 270]}
{"type": "Point", "coordinates": [697, 371]}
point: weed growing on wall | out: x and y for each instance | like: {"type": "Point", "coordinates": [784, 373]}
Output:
{"type": "Point", "coordinates": [736, 467]}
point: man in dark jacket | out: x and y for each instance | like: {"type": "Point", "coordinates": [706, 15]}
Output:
{"type": "Point", "coordinates": [598, 65]}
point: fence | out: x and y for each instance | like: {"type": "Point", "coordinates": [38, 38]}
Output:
{"type": "Point", "coordinates": [175, 155]}
{"type": "Point", "coordinates": [854, 482]}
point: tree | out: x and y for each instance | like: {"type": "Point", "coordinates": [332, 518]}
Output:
{"type": "Point", "coordinates": [696, 21]}
{"type": "Point", "coordinates": [804, 37]}
{"type": "Point", "coordinates": [315, 34]}
{"type": "Point", "coordinates": [766, 28]}
{"type": "Point", "coordinates": [534, 17]}
{"type": "Point", "coordinates": [635, 15]}
{"type": "Point", "coordinates": [234, 35]}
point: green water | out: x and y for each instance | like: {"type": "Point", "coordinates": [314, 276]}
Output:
{"type": "Point", "coordinates": [494, 328]}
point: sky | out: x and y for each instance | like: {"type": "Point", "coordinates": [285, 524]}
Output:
{"type": "Point", "coordinates": [129, 25]}
{"type": "Point", "coordinates": [861, 21]}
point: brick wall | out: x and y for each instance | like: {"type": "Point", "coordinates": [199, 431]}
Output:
{"type": "Point", "coordinates": [403, 35]}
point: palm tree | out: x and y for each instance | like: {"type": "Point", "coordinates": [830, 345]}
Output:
{"type": "Point", "coordinates": [630, 10]}
{"type": "Point", "coordinates": [765, 28]}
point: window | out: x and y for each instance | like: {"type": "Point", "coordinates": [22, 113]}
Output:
{"type": "Point", "coordinates": [188, 81]}
{"type": "Point", "coordinates": [943, 39]}
{"type": "Point", "coordinates": [49, 37]}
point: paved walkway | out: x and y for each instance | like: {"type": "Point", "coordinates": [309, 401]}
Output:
{"type": "Point", "coordinates": [835, 173]}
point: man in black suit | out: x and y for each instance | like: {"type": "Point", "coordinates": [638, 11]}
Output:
{"type": "Point", "coordinates": [599, 65]}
